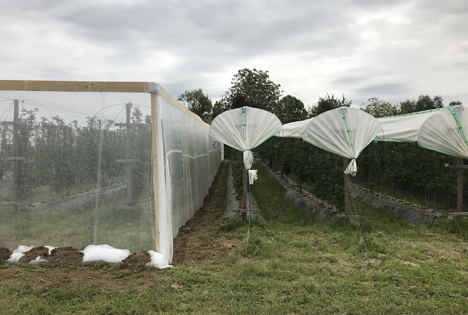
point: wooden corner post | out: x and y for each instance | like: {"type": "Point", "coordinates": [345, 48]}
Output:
{"type": "Point", "coordinates": [155, 141]}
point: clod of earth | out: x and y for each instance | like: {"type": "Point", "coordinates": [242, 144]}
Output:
{"type": "Point", "coordinates": [137, 260]}
{"type": "Point", "coordinates": [4, 254]}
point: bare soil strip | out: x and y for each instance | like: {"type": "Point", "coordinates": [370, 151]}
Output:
{"type": "Point", "coordinates": [202, 238]}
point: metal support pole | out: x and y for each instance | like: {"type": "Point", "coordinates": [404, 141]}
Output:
{"type": "Point", "coordinates": [15, 153]}
{"type": "Point", "coordinates": [346, 189]}
{"type": "Point", "coordinates": [99, 176]}
{"type": "Point", "coordinates": [128, 156]}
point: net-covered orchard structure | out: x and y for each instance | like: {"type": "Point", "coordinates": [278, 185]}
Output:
{"type": "Point", "coordinates": [118, 163]}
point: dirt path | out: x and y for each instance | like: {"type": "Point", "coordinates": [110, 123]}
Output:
{"type": "Point", "coordinates": [202, 238]}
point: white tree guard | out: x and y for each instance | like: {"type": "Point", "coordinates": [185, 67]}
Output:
{"type": "Point", "coordinates": [244, 129]}
{"type": "Point", "coordinates": [343, 131]}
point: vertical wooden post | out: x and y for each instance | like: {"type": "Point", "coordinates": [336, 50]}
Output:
{"type": "Point", "coordinates": [15, 153]}
{"type": "Point", "coordinates": [128, 156]}
{"type": "Point", "coordinates": [99, 176]}
{"type": "Point", "coordinates": [154, 153]}
{"type": "Point", "coordinates": [346, 189]}
{"type": "Point", "coordinates": [460, 187]}
{"type": "Point", "coordinates": [244, 200]}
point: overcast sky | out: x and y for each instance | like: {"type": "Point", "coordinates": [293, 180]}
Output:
{"type": "Point", "coordinates": [394, 50]}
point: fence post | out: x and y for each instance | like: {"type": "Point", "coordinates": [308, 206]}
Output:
{"type": "Point", "coordinates": [15, 158]}
{"type": "Point", "coordinates": [154, 154]}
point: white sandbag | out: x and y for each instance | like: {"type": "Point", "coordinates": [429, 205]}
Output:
{"type": "Point", "coordinates": [104, 253]}
{"type": "Point", "coordinates": [50, 248]}
{"type": "Point", "coordinates": [18, 253]}
{"type": "Point", "coordinates": [158, 260]}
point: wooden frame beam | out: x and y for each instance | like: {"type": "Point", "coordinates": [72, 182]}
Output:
{"type": "Point", "coordinates": [74, 86]}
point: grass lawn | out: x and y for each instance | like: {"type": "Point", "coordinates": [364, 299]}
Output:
{"type": "Point", "coordinates": [293, 265]}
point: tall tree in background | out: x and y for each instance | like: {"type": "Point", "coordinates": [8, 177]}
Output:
{"type": "Point", "coordinates": [454, 103]}
{"type": "Point", "coordinates": [424, 102]}
{"type": "Point", "coordinates": [197, 102]}
{"type": "Point", "coordinates": [290, 109]}
{"type": "Point", "coordinates": [327, 103]}
{"type": "Point", "coordinates": [256, 87]}
{"type": "Point", "coordinates": [379, 108]}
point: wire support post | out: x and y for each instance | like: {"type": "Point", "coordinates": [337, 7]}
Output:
{"type": "Point", "coordinates": [358, 215]}
{"type": "Point", "coordinates": [128, 158]}
{"type": "Point", "coordinates": [15, 158]}
{"type": "Point", "coordinates": [460, 166]}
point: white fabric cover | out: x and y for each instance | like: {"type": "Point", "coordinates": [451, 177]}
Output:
{"type": "Point", "coordinates": [252, 176]}
{"type": "Point", "coordinates": [248, 159]}
{"type": "Point", "coordinates": [105, 253]}
{"type": "Point", "coordinates": [404, 128]}
{"type": "Point", "coordinates": [352, 168]}
{"type": "Point", "coordinates": [244, 128]}
{"type": "Point", "coordinates": [295, 129]}
{"type": "Point", "coordinates": [157, 260]}
{"type": "Point", "coordinates": [344, 131]}
{"type": "Point", "coordinates": [446, 131]}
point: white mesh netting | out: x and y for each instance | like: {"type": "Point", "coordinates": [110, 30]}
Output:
{"type": "Point", "coordinates": [76, 169]}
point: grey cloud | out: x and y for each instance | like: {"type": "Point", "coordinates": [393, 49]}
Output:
{"type": "Point", "coordinates": [345, 81]}
{"type": "Point", "coordinates": [388, 89]}
{"type": "Point", "coordinates": [207, 37]}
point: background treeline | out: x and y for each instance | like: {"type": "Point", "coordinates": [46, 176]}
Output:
{"type": "Point", "coordinates": [403, 168]}
{"type": "Point", "coordinates": [60, 155]}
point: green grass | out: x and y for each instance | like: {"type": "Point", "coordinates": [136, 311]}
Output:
{"type": "Point", "coordinates": [293, 265]}
{"type": "Point", "coordinates": [75, 227]}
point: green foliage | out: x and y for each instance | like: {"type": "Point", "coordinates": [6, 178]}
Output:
{"type": "Point", "coordinates": [311, 166]}
{"type": "Point", "coordinates": [218, 108]}
{"type": "Point", "coordinates": [61, 156]}
{"type": "Point", "coordinates": [406, 166]}
{"type": "Point", "coordinates": [253, 85]}
{"type": "Point", "coordinates": [327, 103]}
{"type": "Point", "coordinates": [379, 108]}
{"type": "Point", "coordinates": [424, 102]}
{"type": "Point", "coordinates": [197, 102]}
{"type": "Point", "coordinates": [290, 109]}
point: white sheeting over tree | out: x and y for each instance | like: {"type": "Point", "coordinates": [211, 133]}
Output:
{"type": "Point", "coordinates": [295, 129]}
{"type": "Point", "coordinates": [244, 129]}
{"type": "Point", "coordinates": [443, 130]}
{"type": "Point", "coordinates": [446, 131]}
{"type": "Point", "coordinates": [403, 128]}
{"type": "Point", "coordinates": [344, 131]}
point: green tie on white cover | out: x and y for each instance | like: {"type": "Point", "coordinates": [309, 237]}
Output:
{"type": "Point", "coordinates": [244, 129]}
{"type": "Point", "coordinates": [343, 131]}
